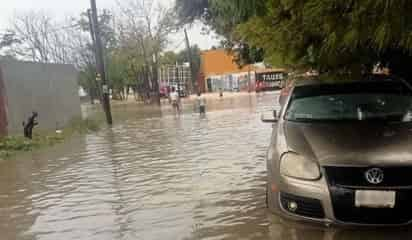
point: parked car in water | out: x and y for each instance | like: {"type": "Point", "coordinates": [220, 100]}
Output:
{"type": "Point", "coordinates": [341, 153]}
{"type": "Point", "coordinates": [181, 89]}
{"type": "Point", "coordinates": [164, 91]}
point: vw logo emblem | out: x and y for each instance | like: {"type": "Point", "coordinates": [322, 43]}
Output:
{"type": "Point", "coordinates": [374, 176]}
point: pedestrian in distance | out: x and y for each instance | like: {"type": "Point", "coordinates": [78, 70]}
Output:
{"type": "Point", "coordinates": [174, 99]}
{"type": "Point", "coordinates": [201, 103]}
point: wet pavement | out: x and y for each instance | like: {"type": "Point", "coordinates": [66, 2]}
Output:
{"type": "Point", "coordinates": [157, 176]}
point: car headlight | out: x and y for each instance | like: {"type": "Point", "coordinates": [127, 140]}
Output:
{"type": "Point", "coordinates": [296, 166]}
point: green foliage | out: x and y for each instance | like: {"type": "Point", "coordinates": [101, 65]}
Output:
{"type": "Point", "coordinates": [117, 70]}
{"type": "Point", "coordinates": [115, 59]}
{"type": "Point", "coordinates": [107, 32]}
{"type": "Point", "coordinates": [168, 58]}
{"type": "Point", "coordinates": [15, 144]}
{"type": "Point", "coordinates": [87, 69]}
{"type": "Point", "coordinates": [223, 17]}
{"type": "Point", "coordinates": [87, 77]}
{"type": "Point", "coordinates": [331, 36]}
{"type": "Point", "coordinates": [171, 58]}
{"type": "Point", "coordinates": [190, 10]}
{"type": "Point", "coordinates": [183, 56]}
{"type": "Point", "coordinates": [11, 145]}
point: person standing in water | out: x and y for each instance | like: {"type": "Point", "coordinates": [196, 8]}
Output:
{"type": "Point", "coordinates": [174, 99]}
{"type": "Point", "coordinates": [201, 103]}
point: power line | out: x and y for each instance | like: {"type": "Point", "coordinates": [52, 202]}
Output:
{"type": "Point", "coordinates": [179, 44]}
{"type": "Point", "coordinates": [66, 27]}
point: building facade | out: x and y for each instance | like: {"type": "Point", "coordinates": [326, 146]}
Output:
{"type": "Point", "coordinates": [177, 76]}
{"type": "Point", "coordinates": [220, 71]}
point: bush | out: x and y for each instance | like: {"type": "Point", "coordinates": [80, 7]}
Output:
{"type": "Point", "coordinates": [10, 145]}
{"type": "Point", "coordinates": [14, 144]}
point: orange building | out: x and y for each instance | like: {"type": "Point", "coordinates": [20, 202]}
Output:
{"type": "Point", "coordinates": [220, 71]}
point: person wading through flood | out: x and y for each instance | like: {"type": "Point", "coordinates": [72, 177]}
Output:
{"type": "Point", "coordinates": [201, 104]}
{"type": "Point", "coordinates": [174, 99]}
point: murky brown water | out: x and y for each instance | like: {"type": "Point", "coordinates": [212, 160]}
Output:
{"type": "Point", "coordinates": [156, 176]}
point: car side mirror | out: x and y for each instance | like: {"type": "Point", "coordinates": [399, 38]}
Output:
{"type": "Point", "coordinates": [269, 117]}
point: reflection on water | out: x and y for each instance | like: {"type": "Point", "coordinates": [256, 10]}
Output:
{"type": "Point", "coordinates": [155, 176]}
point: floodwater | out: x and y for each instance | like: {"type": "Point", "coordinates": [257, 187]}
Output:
{"type": "Point", "coordinates": [156, 176]}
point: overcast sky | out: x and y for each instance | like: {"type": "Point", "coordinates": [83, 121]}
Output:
{"type": "Point", "coordinates": [63, 8]}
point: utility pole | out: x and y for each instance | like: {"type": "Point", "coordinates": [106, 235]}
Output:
{"type": "Point", "coordinates": [192, 66]}
{"type": "Point", "coordinates": [94, 82]}
{"type": "Point", "coordinates": [101, 74]}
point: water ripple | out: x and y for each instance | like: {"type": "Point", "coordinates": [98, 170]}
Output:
{"type": "Point", "coordinates": [159, 177]}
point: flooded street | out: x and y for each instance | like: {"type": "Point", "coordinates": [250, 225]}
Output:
{"type": "Point", "coordinates": [156, 176]}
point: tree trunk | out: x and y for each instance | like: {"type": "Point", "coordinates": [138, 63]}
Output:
{"type": "Point", "coordinates": [155, 83]}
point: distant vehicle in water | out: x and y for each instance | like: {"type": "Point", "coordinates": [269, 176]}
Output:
{"type": "Point", "coordinates": [269, 81]}
{"type": "Point", "coordinates": [341, 153]}
{"type": "Point", "coordinates": [181, 89]}
{"type": "Point", "coordinates": [164, 91]}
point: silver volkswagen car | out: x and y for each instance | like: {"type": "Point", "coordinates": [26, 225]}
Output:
{"type": "Point", "coordinates": [342, 153]}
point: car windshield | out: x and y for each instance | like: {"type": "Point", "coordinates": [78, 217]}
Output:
{"type": "Point", "coordinates": [351, 102]}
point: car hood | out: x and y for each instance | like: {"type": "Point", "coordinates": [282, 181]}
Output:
{"type": "Point", "coordinates": [363, 144]}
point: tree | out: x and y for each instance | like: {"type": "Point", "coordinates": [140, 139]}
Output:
{"type": "Point", "coordinates": [133, 40]}
{"type": "Point", "coordinates": [7, 40]}
{"type": "Point", "coordinates": [37, 37]}
{"type": "Point", "coordinates": [223, 17]}
{"type": "Point", "coordinates": [168, 58]}
{"type": "Point", "coordinates": [110, 41]}
{"type": "Point", "coordinates": [191, 10]}
{"type": "Point", "coordinates": [182, 57]}
{"type": "Point", "coordinates": [172, 58]}
{"type": "Point", "coordinates": [145, 27]}
{"type": "Point", "coordinates": [332, 37]}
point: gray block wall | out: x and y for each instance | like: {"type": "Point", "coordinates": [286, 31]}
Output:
{"type": "Point", "coordinates": [49, 89]}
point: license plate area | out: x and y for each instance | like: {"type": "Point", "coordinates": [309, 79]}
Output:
{"type": "Point", "coordinates": [375, 199]}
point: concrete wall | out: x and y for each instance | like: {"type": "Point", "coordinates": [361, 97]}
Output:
{"type": "Point", "coordinates": [49, 89]}
{"type": "Point", "coordinates": [3, 113]}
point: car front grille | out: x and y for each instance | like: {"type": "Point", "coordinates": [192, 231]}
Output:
{"type": "Point", "coordinates": [343, 200]}
{"type": "Point", "coordinates": [396, 177]}
{"type": "Point", "coordinates": [306, 207]}
{"type": "Point", "coordinates": [344, 181]}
